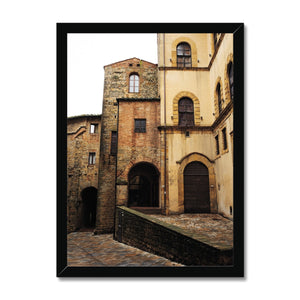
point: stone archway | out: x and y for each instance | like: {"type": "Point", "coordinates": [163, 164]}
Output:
{"type": "Point", "coordinates": [196, 188]}
{"type": "Point", "coordinates": [143, 186]}
{"type": "Point", "coordinates": [184, 162]}
{"type": "Point", "coordinates": [89, 207]}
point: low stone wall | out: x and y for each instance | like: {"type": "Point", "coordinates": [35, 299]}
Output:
{"type": "Point", "coordinates": [149, 234]}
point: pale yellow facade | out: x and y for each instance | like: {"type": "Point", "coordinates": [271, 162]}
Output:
{"type": "Point", "coordinates": [182, 145]}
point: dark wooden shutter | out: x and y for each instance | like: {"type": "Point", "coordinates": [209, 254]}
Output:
{"type": "Point", "coordinates": [184, 58]}
{"type": "Point", "coordinates": [196, 188]}
{"type": "Point", "coordinates": [186, 112]}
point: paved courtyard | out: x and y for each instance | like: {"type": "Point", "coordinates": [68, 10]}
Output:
{"type": "Point", "coordinates": [87, 249]}
{"type": "Point", "coordinates": [211, 227]}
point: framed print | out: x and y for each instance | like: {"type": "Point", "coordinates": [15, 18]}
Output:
{"type": "Point", "coordinates": [150, 150]}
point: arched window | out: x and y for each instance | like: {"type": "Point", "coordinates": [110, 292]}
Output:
{"type": "Point", "coordinates": [184, 58]}
{"type": "Point", "coordinates": [186, 112]}
{"type": "Point", "coordinates": [218, 91]}
{"type": "Point", "coordinates": [230, 76]}
{"type": "Point", "coordinates": [134, 83]}
{"type": "Point", "coordinates": [215, 41]}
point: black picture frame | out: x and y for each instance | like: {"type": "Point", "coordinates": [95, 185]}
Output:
{"type": "Point", "coordinates": [237, 269]}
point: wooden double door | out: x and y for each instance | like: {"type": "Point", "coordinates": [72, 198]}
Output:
{"type": "Point", "coordinates": [196, 188]}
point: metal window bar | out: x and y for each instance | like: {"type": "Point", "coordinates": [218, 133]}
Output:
{"type": "Point", "coordinates": [140, 125]}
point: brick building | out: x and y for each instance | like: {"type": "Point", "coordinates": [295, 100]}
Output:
{"type": "Point", "coordinates": [166, 132]}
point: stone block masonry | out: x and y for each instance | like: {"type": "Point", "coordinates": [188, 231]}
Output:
{"type": "Point", "coordinates": [152, 235]}
{"type": "Point", "coordinates": [82, 174]}
{"type": "Point", "coordinates": [116, 85]}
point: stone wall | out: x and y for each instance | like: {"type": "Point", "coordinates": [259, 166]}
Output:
{"type": "Point", "coordinates": [152, 235]}
{"type": "Point", "coordinates": [116, 85]}
{"type": "Point", "coordinates": [81, 174]}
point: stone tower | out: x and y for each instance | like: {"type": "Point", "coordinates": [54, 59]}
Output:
{"type": "Point", "coordinates": [131, 79]}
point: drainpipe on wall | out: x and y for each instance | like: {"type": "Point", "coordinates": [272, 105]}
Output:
{"type": "Point", "coordinates": [166, 208]}
{"type": "Point", "coordinates": [116, 166]}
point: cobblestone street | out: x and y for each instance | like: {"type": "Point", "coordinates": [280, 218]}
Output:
{"type": "Point", "coordinates": [87, 249]}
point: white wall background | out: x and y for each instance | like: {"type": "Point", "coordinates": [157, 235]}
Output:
{"type": "Point", "coordinates": [28, 161]}
{"type": "Point", "coordinates": [89, 53]}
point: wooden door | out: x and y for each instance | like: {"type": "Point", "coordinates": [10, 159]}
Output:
{"type": "Point", "coordinates": [196, 188]}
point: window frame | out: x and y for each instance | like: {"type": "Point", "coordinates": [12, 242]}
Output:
{"type": "Point", "coordinates": [219, 97]}
{"type": "Point", "coordinates": [92, 158]}
{"type": "Point", "coordinates": [184, 58]}
{"type": "Point", "coordinates": [217, 145]}
{"type": "Point", "coordinates": [230, 75]}
{"type": "Point", "coordinates": [185, 116]}
{"type": "Point", "coordinates": [114, 143]}
{"type": "Point", "coordinates": [134, 83]}
{"type": "Point", "coordinates": [224, 139]}
{"type": "Point", "coordinates": [215, 38]}
{"type": "Point", "coordinates": [137, 125]}
{"type": "Point", "coordinates": [95, 126]}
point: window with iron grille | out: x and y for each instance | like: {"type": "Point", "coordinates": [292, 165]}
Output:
{"type": "Point", "coordinates": [184, 58]}
{"type": "Point", "coordinates": [218, 90]}
{"type": "Point", "coordinates": [186, 112]}
{"type": "Point", "coordinates": [134, 83]}
{"type": "Point", "coordinates": [230, 76]}
{"type": "Point", "coordinates": [92, 158]}
{"type": "Point", "coordinates": [224, 138]}
{"type": "Point", "coordinates": [217, 145]}
{"type": "Point", "coordinates": [139, 125]}
{"type": "Point", "coordinates": [113, 144]}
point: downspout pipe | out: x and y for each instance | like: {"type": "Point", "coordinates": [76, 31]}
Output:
{"type": "Point", "coordinates": [165, 124]}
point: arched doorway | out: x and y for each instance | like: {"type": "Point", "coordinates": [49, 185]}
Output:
{"type": "Point", "coordinates": [89, 207]}
{"type": "Point", "coordinates": [196, 188]}
{"type": "Point", "coordinates": [143, 186]}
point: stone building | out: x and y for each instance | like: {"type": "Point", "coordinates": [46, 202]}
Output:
{"type": "Point", "coordinates": [83, 143]}
{"type": "Point", "coordinates": [196, 90]}
{"type": "Point", "coordinates": [130, 96]}
{"type": "Point", "coordinates": [166, 132]}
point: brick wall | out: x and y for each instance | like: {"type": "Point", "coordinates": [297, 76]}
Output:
{"type": "Point", "coordinates": [135, 147]}
{"type": "Point", "coordinates": [116, 85]}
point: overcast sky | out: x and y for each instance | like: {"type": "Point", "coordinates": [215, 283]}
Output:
{"type": "Point", "coordinates": [88, 53]}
